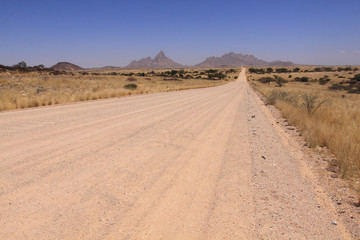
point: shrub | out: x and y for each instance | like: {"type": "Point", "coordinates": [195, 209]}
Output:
{"type": "Point", "coordinates": [324, 80]}
{"type": "Point", "coordinates": [211, 71]}
{"type": "Point", "coordinates": [282, 70]}
{"type": "Point", "coordinates": [301, 79]}
{"type": "Point", "coordinates": [131, 86]}
{"type": "Point", "coordinates": [311, 103]}
{"type": "Point", "coordinates": [266, 80]}
{"type": "Point", "coordinates": [328, 69]}
{"type": "Point", "coordinates": [256, 70]}
{"type": "Point", "coordinates": [131, 79]}
{"type": "Point", "coordinates": [21, 64]}
{"type": "Point", "coordinates": [337, 86]}
{"type": "Point", "coordinates": [279, 81]}
{"type": "Point", "coordinates": [231, 71]}
{"type": "Point", "coordinates": [173, 72]}
{"type": "Point", "coordinates": [356, 78]}
{"type": "Point", "coordinates": [277, 95]}
{"type": "Point", "coordinates": [218, 75]}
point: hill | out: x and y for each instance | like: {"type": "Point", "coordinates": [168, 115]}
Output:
{"type": "Point", "coordinates": [66, 66]}
{"type": "Point", "coordinates": [237, 60]}
{"type": "Point", "coordinates": [159, 61]}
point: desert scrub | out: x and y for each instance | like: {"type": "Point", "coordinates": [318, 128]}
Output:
{"type": "Point", "coordinates": [324, 117]}
{"type": "Point", "coordinates": [32, 89]}
{"type": "Point", "coordinates": [279, 95]}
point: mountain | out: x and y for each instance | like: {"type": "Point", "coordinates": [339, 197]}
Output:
{"type": "Point", "coordinates": [237, 60]}
{"type": "Point", "coordinates": [66, 66]}
{"type": "Point", "coordinates": [159, 61]}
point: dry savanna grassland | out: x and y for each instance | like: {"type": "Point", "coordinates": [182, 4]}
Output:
{"type": "Point", "coordinates": [323, 102]}
{"type": "Point", "coordinates": [31, 87]}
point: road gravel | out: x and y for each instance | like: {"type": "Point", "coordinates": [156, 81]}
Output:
{"type": "Point", "coordinates": [197, 164]}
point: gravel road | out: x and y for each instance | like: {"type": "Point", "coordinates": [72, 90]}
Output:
{"type": "Point", "coordinates": [198, 164]}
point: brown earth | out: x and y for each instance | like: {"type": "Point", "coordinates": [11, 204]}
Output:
{"type": "Point", "coordinates": [196, 164]}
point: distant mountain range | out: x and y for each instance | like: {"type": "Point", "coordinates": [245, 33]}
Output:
{"type": "Point", "coordinates": [159, 61]}
{"type": "Point", "coordinates": [239, 60]}
{"type": "Point", "coordinates": [162, 61]}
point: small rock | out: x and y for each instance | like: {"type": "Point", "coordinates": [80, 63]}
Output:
{"type": "Point", "coordinates": [262, 171]}
{"type": "Point", "coordinates": [326, 159]}
{"type": "Point", "coordinates": [334, 175]}
{"type": "Point", "coordinates": [338, 202]}
{"type": "Point", "coordinates": [334, 223]}
{"type": "Point", "coordinates": [263, 157]}
{"type": "Point", "coordinates": [333, 169]}
{"type": "Point", "coordinates": [253, 116]}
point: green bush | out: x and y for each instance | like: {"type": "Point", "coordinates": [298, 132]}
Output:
{"type": "Point", "coordinates": [282, 70]}
{"type": "Point", "coordinates": [131, 86]}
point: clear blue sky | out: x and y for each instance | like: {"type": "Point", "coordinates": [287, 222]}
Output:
{"type": "Point", "coordinates": [99, 33]}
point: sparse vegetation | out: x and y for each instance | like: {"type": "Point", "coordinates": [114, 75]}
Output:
{"type": "Point", "coordinates": [40, 86]}
{"type": "Point", "coordinates": [325, 118]}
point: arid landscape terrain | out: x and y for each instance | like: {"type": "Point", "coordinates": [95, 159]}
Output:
{"type": "Point", "coordinates": [181, 120]}
{"type": "Point", "coordinates": [209, 163]}
{"type": "Point", "coordinates": [22, 89]}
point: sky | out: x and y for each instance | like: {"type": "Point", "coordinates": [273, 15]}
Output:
{"type": "Point", "coordinates": [113, 33]}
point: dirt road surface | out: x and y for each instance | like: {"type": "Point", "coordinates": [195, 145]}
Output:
{"type": "Point", "coordinates": [197, 164]}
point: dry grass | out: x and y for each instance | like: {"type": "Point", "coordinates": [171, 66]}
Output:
{"type": "Point", "coordinates": [335, 124]}
{"type": "Point", "coordinates": [23, 90]}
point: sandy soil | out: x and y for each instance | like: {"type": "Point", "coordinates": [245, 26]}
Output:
{"type": "Point", "coordinates": [197, 164]}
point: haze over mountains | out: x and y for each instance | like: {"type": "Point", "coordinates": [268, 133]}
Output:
{"type": "Point", "coordinates": [162, 61]}
{"type": "Point", "coordinates": [227, 60]}
{"type": "Point", "coordinates": [159, 61]}
{"type": "Point", "coordinates": [239, 60]}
